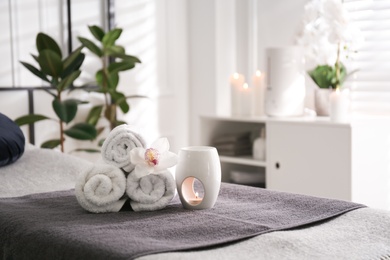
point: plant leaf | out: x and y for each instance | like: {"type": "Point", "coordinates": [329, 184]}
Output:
{"type": "Point", "coordinates": [66, 82]}
{"type": "Point", "coordinates": [97, 32]}
{"type": "Point", "coordinates": [116, 49]}
{"type": "Point", "coordinates": [119, 122]}
{"type": "Point", "coordinates": [107, 80]}
{"type": "Point", "coordinates": [72, 57]}
{"type": "Point", "coordinates": [51, 144]}
{"type": "Point", "coordinates": [30, 119]}
{"type": "Point", "coordinates": [111, 36]}
{"type": "Point", "coordinates": [101, 141]}
{"type": "Point", "coordinates": [100, 130]}
{"type": "Point", "coordinates": [116, 67]}
{"type": "Point", "coordinates": [35, 71]}
{"type": "Point", "coordinates": [128, 58]}
{"type": "Point", "coordinates": [82, 131]}
{"type": "Point", "coordinates": [75, 65]}
{"type": "Point", "coordinates": [50, 63]}
{"type": "Point", "coordinates": [87, 150]}
{"type": "Point", "coordinates": [120, 99]}
{"type": "Point", "coordinates": [325, 76]}
{"type": "Point", "coordinates": [91, 46]}
{"type": "Point", "coordinates": [45, 42]}
{"type": "Point", "coordinates": [113, 79]}
{"type": "Point", "coordinates": [94, 115]}
{"type": "Point", "coordinates": [66, 110]}
{"type": "Point", "coordinates": [35, 57]}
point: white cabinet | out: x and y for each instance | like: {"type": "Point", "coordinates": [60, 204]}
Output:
{"type": "Point", "coordinates": [309, 158]}
{"type": "Point", "coordinates": [313, 156]}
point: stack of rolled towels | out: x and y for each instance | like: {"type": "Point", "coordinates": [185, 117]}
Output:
{"type": "Point", "coordinates": [130, 172]}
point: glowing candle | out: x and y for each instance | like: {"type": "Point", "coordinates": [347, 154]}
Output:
{"type": "Point", "coordinates": [339, 106]}
{"type": "Point", "coordinates": [258, 93]}
{"type": "Point", "coordinates": [236, 82]}
{"type": "Point", "coordinates": [196, 200]}
{"type": "Point", "coordinates": [245, 100]}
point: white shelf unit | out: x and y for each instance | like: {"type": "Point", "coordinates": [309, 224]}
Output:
{"type": "Point", "coordinates": [212, 126]}
{"type": "Point", "coordinates": [313, 156]}
{"type": "Point", "coordinates": [244, 160]}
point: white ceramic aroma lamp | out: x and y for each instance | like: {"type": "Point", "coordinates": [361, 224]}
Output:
{"type": "Point", "coordinates": [201, 163]}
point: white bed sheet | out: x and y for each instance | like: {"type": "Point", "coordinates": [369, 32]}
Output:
{"type": "Point", "coordinates": [40, 170]}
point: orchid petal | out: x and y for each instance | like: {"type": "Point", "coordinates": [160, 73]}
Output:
{"type": "Point", "coordinates": [161, 145]}
{"type": "Point", "coordinates": [137, 155]}
{"type": "Point", "coordinates": [167, 160]}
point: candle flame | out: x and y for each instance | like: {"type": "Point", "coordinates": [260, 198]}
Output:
{"type": "Point", "coordinates": [245, 86]}
{"type": "Point", "coordinates": [236, 75]}
{"type": "Point", "coordinates": [196, 195]}
{"type": "Point", "coordinates": [258, 73]}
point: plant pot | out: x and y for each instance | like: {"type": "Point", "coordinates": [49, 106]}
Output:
{"type": "Point", "coordinates": [322, 101]}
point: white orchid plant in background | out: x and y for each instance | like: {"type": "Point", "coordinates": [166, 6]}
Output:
{"type": "Point", "coordinates": [326, 33]}
{"type": "Point", "coordinates": [155, 159]}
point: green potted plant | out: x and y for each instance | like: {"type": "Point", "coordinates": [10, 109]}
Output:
{"type": "Point", "coordinates": [328, 37]}
{"type": "Point", "coordinates": [114, 60]}
{"type": "Point", "coordinates": [60, 72]}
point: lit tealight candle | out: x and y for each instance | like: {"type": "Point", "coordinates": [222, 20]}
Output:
{"type": "Point", "coordinates": [339, 106]}
{"type": "Point", "coordinates": [196, 200]}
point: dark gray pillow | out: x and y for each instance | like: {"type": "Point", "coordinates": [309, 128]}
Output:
{"type": "Point", "coordinates": [11, 141]}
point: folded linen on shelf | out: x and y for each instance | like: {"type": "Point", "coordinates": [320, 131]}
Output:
{"type": "Point", "coordinates": [101, 188]}
{"type": "Point", "coordinates": [231, 138]}
{"type": "Point", "coordinates": [150, 192]}
{"type": "Point", "coordinates": [233, 144]}
{"type": "Point", "coordinates": [117, 146]}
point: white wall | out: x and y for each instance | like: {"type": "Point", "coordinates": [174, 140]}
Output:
{"type": "Point", "coordinates": [188, 49]}
{"type": "Point", "coordinates": [154, 30]}
{"type": "Point", "coordinates": [227, 36]}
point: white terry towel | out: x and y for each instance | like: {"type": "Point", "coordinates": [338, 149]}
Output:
{"type": "Point", "coordinates": [117, 146]}
{"type": "Point", "coordinates": [101, 188]}
{"type": "Point", "coordinates": [151, 192]}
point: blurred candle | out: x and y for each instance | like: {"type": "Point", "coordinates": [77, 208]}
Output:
{"type": "Point", "coordinates": [339, 106]}
{"type": "Point", "coordinates": [258, 93]}
{"type": "Point", "coordinates": [236, 82]}
{"type": "Point", "coordinates": [245, 100]}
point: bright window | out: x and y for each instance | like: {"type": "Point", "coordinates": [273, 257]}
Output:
{"type": "Point", "coordinates": [370, 85]}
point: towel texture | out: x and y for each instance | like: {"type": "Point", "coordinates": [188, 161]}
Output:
{"type": "Point", "coordinates": [151, 192]}
{"type": "Point", "coordinates": [101, 188]}
{"type": "Point", "coordinates": [53, 226]}
{"type": "Point", "coordinates": [117, 146]}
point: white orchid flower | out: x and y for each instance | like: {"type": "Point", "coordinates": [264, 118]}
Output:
{"type": "Point", "coordinates": [155, 159]}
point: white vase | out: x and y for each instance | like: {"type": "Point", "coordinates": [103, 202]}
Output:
{"type": "Point", "coordinates": [322, 101]}
{"type": "Point", "coordinates": [201, 163]}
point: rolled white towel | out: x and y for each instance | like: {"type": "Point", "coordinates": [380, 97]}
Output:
{"type": "Point", "coordinates": [151, 192]}
{"type": "Point", "coordinates": [117, 146]}
{"type": "Point", "coordinates": [101, 188]}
